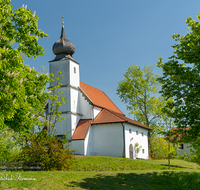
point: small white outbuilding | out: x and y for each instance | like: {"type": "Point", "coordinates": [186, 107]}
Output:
{"type": "Point", "coordinates": [95, 124]}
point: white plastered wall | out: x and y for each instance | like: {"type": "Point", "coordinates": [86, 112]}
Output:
{"type": "Point", "coordinates": [88, 146]}
{"type": "Point", "coordinates": [74, 122]}
{"type": "Point", "coordinates": [186, 149]}
{"type": "Point", "coordinates": [96, 111]}
{"type": "Point", "coordinates": [108, 139]}
{"type": "Point", "coordinates": [74, 100]}
{"type": "Point", "coordinates": [78, 146]}
{"type": "Point", "coordinates": [63, 66]}
{"type": "Point", "coordinates": [132, 138]}
{"type": "Point", "coordinates": [67, 125]}
{"type": "Point", "coordinates": [85, 107]}
{"type": "Point", "coordinates": [66, 106]}
{"type": "Point", "coordinates": [63, 126]}
{"type": "Point", "coordinates": [71, 76]}
{"type": "Point", "coordinates": [74, 74]}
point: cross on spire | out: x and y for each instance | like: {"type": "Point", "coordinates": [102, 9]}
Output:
{"type": "Point", "coordinates": [63, 20]}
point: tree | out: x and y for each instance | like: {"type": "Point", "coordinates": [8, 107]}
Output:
{"type": "Point", "coordinates": [169, 128]}
{"type": "Point", "coordinates": [181, 80]}
{"type": "Point", "coordinates": [9, 144]}
{"type": "Point", "coordinates": [42, 145]}
{"type": "Point", "coordinates": [195, 150]}
{"type": "Point", "coordinates": [21, 87]}
{"type": "Point", "coordinates": [161, 150]}
{"type": "Point", "coordinates": [55, 102]}
{"type": "Point", "coordinates": [138, 91]}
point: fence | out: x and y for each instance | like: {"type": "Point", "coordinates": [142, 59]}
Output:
{"type": "Point", "coordinates": [20, 166]}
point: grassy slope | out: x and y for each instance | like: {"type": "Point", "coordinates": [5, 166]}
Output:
{"type": "Point", "coordinates": [110, 174]}
{"type": "Point", "coordinates": [103, 163]}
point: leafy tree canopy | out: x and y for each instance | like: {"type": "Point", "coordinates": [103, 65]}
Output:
{"type": "Point", "coordinates": [21, 87]}
{"type": "Point", "coordinates": [161, 149]}
{"type": "Point", "coordinates": [181, 79]}
{"type": "Point", "coordinates": [138, 90]}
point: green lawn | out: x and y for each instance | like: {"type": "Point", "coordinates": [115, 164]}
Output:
{"type": "Point", "coordinates": [103, 163]}
{"type": "Point", "coordinates": [138, 174]}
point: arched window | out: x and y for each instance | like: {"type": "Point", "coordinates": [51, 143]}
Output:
{"type": "Point", "coordinates": [131, 151]}
{"type": "Point", "coordinates": [74, 69]}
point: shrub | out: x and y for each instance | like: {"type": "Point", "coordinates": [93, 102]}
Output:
{"type": "Point", "coordinates": [52, 152]}
{"type": "Point", "coordinates": [186, 157]}
{"type": "Point", "coordinates": [160, 148]}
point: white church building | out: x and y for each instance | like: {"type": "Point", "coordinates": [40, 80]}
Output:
{"type": "Point", "coordinates": [95, 124]}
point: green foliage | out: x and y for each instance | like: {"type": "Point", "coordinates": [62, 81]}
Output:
{"type": "Point", "coordinates": [186, 157]}
{"type": "Point", "coordinates": [42, 145]}
{"type": "Point", "coordinates": [181, 79]}
{"type": "Point", "coordinates": [160, 148]}
{"type": "Point", "coordinates": [55, 102]}
{"type": "Point", "coordinates": [137, 148]}
{"type": "Point", "coordinates": [21, 88]}
{"type": "Point", "coordinates": [138, 91]}
{"type": "Point", "coordinates": [49, 150]}
{"type": "Point", "coordinates": [195, 150]}
{"type": "Point", "coordinates": [9, 144]}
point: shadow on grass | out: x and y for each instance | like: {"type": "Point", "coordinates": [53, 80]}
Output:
{"type": "Point", "coordinates": [148, 181]}
{"type": "Point", "coordinates": [172, 166]}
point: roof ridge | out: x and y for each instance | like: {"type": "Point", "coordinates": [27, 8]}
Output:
{"type": "Point", "coordinates": [112, 102]}
{"type": "Point", "coordinates": [126, 119]}
{"type": "Point", "coordinates": [92, 86]}
{"type": "Point", "coordinates": [90, 91]}
{"type": "Point", "coordinates": [85, 94]}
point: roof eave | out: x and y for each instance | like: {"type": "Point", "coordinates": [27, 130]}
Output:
{"type": "Point", "coordinates": [122, 122]}
{"type": "Point", "coordinates": [148, 128]}
{"type": "Point", "coordinates": [86, 95]}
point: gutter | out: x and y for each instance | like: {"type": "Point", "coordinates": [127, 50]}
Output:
{"type": "Point", "coordinates": [123, 138]}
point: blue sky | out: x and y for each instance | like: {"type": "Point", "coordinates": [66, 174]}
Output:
{"type": "Point", "coordinates": [110, 35]}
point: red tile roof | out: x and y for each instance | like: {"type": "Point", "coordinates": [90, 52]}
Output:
{"type": "Point", "coordinates": [108, 116]}
{"type": "Point", "coordinates": [99, 98]}
{"type": "Point", "coordinates": [81, 129]}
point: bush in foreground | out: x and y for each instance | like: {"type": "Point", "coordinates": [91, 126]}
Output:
{"type": "Point", "coordinates": [49, 150]}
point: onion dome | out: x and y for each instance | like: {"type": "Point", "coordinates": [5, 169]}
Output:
{"type": "Point", "coordinates": [63, 48]}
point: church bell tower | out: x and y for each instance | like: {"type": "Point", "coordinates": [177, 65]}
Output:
{"type": "Point", "coordinates": [64, 62]}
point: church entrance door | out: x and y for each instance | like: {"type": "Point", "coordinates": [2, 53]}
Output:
{"type": "Point", "coordinates": [131, 151]}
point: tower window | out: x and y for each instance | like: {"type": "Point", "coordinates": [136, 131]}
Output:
{"type": "Point", "coordinates": [74, 104]}
{"type": "Point", "coordinates": [142, 134]}
{"type": "Point", "coordinates": [129, 130]}
{"type": "Point", "coordinates": [74, 69]}
{"type": "Point", "coordinates": [136, 132]}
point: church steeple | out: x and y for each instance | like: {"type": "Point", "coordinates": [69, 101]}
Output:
{"type": "Point", "coordinates": [63, 47]}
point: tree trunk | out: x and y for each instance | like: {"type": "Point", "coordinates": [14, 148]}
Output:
{"type": "Point", "coordinates": [169, 155]}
